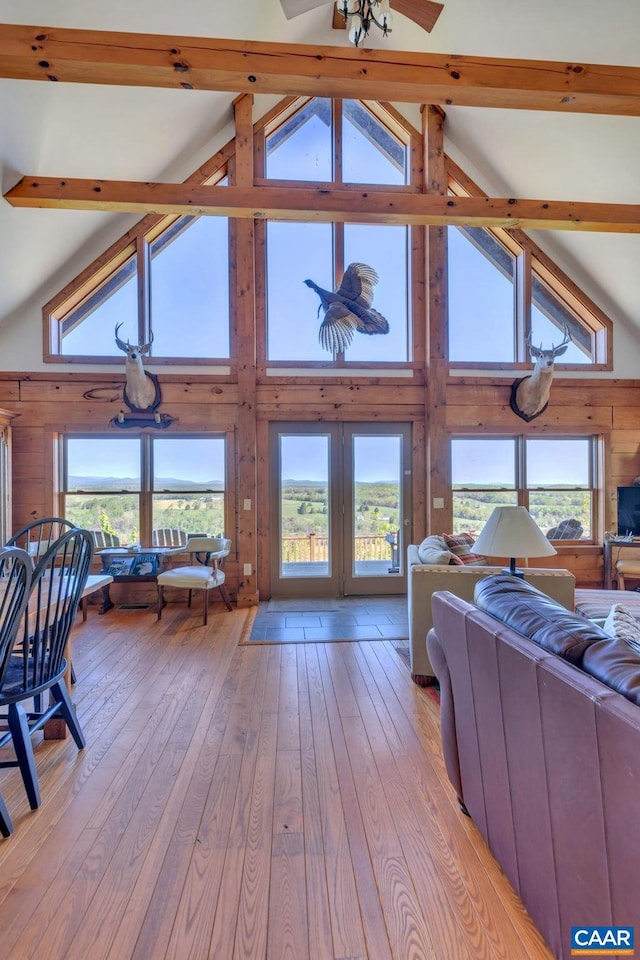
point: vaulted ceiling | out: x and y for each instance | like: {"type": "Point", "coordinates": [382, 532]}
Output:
{"type": "Point", "coordinates": [80, 130]}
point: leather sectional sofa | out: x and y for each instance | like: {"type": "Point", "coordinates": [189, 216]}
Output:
{"type": "Point", "coordinates": [541, 738]}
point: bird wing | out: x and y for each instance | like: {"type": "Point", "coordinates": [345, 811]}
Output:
{"type": "Point", "coordinates": [357, 284]}
{"type": "Point", "coordinates": [370, 321]}
{"type": "Point", "coordinates": [337, 328]}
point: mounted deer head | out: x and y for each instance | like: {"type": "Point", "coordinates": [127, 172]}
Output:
{"type": "Point", "coordinates": [530, 395]}
{"type": "Point", "coordinates": [141, 391]}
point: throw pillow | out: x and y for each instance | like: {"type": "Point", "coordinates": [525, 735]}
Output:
{"type": "Point", "coordinates": [474, 559]}
{"type": "Point", "coordinates": [622, 625]}
{"type": "Point", "coordinates": [460, 546]}
{"type": "Point", "coordinates": [433, 549]}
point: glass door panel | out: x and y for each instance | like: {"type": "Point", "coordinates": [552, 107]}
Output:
{"type": "Point", "coordinates": [376, 506]}
{"type": "Point", "coordinates": [304, 506]}
{"type": "Point", "coordinates": [378, 472]}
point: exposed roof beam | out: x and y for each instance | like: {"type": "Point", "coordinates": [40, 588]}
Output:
{"type": "Point", "coordinates": [322, 205]}
{"type": "Point", "coordinates": [150, 60]}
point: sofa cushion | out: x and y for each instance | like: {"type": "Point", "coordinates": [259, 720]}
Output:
{"type": "Point", "coordinates": [535, 615]}
{"type": "Point", "coordinates": [615, 663]}
{"type": "Point", "coordinates": [433, 549]}
{"type": "Point", "coordinates": [460, 546]}
{"type": "Point", "coordinates": [458, 543]}
{"type": "Point", "coordinates": [622, 625]}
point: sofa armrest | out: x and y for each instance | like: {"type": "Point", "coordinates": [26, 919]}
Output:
{"type": "Point", "coordinates": [447, 713]}
{"type": "Point", "coordinates": [413, 556]}
{"type": "Point", "coordinates": [423, 580]}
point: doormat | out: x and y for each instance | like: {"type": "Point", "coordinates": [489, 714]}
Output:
{"type": "Point", "coordinates": [340, 621]}
{"type": "Point", "coordinates": [313, 626]}
{"type": "Point", "coordinates": [133, 606]}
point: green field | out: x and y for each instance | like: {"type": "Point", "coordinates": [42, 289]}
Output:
{"type": "Point", "coordinates": [194, 513]}
{"type": "Point", "coordinates": [472, 510]}
{"type": "Point", "coordinates": [304, 508]}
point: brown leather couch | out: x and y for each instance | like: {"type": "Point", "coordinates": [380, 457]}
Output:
{"type": "Point", "coordinates": [541, 739]}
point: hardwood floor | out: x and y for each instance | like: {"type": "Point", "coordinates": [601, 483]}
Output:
{"type": "Point", "coordinates": [285, 801]}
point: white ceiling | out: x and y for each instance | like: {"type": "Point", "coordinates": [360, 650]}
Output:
{"type": "Point", "coordinates": [139, 134]}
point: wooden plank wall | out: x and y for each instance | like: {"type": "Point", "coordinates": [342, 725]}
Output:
{"type": "Point", "coordinates": [46, 404]}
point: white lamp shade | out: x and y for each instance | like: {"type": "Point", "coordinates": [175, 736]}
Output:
{"type": "Point", "coordinates": [512, 532]}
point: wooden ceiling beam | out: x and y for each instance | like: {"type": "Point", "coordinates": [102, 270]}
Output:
{"type": "Point", "coordinates": [322, 205]}
{"type": "Point", "coordinates": [242, 66]}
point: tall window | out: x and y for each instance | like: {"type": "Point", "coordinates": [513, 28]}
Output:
{"type": "Point", "coordinates": [190, 288]}
{"type": "Point", "coordinates": [341, 142]}
{"type": "Point", "coordinates": [293, 318]}
{"type": "Point", "coordinates": [555, 478]}
{"type": "Point", "coordinates": [481, 275]}
{"type": "Point", "coordinates": [130, 486]}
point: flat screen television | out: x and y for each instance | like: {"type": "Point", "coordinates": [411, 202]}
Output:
{"type": "Point", "coordinates": [629, 511]}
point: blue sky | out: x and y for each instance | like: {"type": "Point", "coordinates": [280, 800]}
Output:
{"type": "Point", "coordinates": [183, 458]}
{"type": "Point", "coordinates": [375, 458]}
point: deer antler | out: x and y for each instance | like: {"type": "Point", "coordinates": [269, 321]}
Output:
{"type": "Point", "coordinates": [566, 340]}
{"type": "Point", "coordinates": [120, 343]}
{"type": "Point", "coordinates": [145, 347]}
{"type": "Point", "coordinates": [126, 347]}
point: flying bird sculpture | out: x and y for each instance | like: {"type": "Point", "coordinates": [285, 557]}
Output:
{"type": "Point", "coordinates": [349, 308]}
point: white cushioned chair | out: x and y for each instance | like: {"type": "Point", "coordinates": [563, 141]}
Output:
{"type": "Point", "coordinates": [200, 576]}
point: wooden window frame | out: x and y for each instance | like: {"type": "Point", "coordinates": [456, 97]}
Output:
{"type": "Point", "coordinates": [522, 491]}
{"type": "Point", "coordinates": [146, 491]}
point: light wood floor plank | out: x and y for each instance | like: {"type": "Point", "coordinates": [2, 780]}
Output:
{"type": "Point", "coordinates": [256, 802]}
{"type": "Point", "coordinates": [348, 935]}
{"type": "Point", "coordinates": [317, 893]}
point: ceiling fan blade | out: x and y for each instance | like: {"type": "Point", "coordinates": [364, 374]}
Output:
{"type": "Point", "coordinates": [293, 8]}
{"type": "Point", "coordinates": [423, 12]}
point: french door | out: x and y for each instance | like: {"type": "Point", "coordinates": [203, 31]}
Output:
{"type": "Point", "coordinates": [340, 508]}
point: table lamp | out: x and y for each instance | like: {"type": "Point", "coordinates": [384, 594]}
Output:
{"type": "Point", "coordinates": [512, 532]}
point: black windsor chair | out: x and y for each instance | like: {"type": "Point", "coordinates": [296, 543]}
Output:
{"type": "Point", "coordinates": [38, 662]}
{"type": "Point", "coordinates": [39, 535]}
{"type": "Point", "coordinates": [15, 581]}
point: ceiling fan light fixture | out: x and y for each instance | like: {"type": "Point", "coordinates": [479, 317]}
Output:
{"type": "Point", "coordinates": [360, 14]}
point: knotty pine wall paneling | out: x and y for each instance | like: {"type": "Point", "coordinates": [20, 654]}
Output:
{"type": "Point", "coordinates": [55, 402]}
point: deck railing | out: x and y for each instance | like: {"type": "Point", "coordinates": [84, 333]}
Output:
{"type": "Point", "coordinates": [315, 548]}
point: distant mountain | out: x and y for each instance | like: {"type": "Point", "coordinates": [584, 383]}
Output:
{"type": "Point", "coordinates": [162, 484]}
{"type": "Point", "coordinates": [322, 483]}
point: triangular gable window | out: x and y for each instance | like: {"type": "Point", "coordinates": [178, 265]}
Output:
{"type": "Point", "coordinates": [504, 292]}
{"type": "Point", "coordinates": [88, 329]}
{"type": "Point", "coordinates": [303, 146]}
{"type": "Point", "coordinates": [550, 317]}
{"type": "Point", "coordinates": [166, 282]}
{"type": "Point", "coordinates": [370, 152]}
